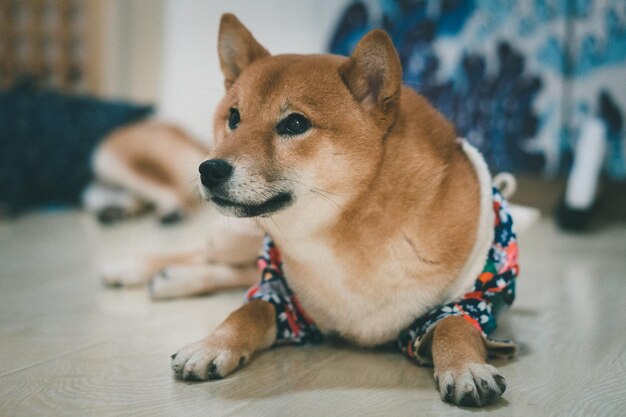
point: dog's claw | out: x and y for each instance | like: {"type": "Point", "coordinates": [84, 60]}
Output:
{"type": "Point", "coordinates": [449, 396]}
{"type": "Point", "coordinates": [206, 361]}
{"type": "Point", "coordinates": [500, 382]}
{"type": "Point", "coordinates": [486, 393]}
{"type": "Point", "coordinates": [213, 372]}
{"type": "Point", "coordinates": [468, 400]}
{"type": "Point", "coordinates": [474, 385]}
{"type": "Point", "coordinates": [192, 376]}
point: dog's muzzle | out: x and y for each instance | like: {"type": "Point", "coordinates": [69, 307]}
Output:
{"type": "Point", "coordinates": [214, 176]}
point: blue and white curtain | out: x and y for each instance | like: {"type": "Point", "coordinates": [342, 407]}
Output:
{"type": "Point", "coordinates": [518, 77]}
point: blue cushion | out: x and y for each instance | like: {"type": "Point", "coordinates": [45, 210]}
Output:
{"type": "Point", "coordinates": [47, 139]}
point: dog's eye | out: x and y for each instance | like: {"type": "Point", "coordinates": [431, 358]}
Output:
{"type": "Point", "coordinates": [294, 124]}
{"type": "Point", "coordinates": [234, 119]}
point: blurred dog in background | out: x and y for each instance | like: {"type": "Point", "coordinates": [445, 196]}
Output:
{"type": "Point", "coordinates": [152, 165]}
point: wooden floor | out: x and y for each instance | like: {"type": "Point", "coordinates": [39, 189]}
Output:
{"type": "Point", "coordinates": [68, 346]}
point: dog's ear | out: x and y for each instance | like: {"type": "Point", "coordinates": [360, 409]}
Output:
{"type": "Point", "coordinates": [373, 75]}
{"type": "Point", "coordinates": [237, 48]}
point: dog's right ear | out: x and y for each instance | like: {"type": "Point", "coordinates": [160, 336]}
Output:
{"type": "Point", "coordinates": [237, 48]}
{"type": "Point", "coordinates": [373, 75]}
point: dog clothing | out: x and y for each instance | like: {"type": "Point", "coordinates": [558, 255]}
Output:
{"type": "Point", "coordinates": [493, 291]}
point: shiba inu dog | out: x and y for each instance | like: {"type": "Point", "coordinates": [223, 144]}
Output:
{"type": "Point", "coordinates": [380, 218]}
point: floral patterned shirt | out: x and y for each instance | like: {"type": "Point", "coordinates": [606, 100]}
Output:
{"type": "Point", "coordinates": [493, 291]}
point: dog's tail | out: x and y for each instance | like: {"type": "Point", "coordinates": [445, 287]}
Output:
{"type": "Point", "coordinates": [523, 216]}
{"type": "Point", "coordinates": [506, 183]}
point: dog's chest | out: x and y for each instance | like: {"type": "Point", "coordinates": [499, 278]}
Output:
{"type": "Point", "coordinates": [368, 302]}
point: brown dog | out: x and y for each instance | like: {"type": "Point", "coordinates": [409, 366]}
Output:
{"type": "Point", "coordinates": [380, 211]}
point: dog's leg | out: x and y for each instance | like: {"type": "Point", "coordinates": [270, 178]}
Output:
{"type": "Point", "coordinates": [250, 328]}
{"type": "Point", "coordinates": [139, 270]}
{"type": "Point", "coordinates": [226, 262]}
{"type": "Point", "coordinates": [461, 372]}
{"type": "Point", "coordinates": [111, 204]}
{"type": "Point", "coordinates": [233, 241]}
{"type": "Point", "coordinates": [167, 200]}
{"type": "Point", "coordinates": [187, 280]}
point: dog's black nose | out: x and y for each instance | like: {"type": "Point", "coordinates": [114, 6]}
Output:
{"type": "Point", "coordinates": [215, 172]}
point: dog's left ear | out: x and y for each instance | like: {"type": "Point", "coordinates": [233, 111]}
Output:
{"type": "Point", "coordinates": [373, 75]}
{"type": "Point", "coordinates": [237, 48]}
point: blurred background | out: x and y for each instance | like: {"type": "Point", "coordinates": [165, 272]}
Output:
{"type": "Point", "coordinates": [538, 86]}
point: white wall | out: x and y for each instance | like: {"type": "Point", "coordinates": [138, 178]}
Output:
{"type": "Point", "coordinates": [131, 49]}
{"type": "Point", "coordinates": [192, 84]}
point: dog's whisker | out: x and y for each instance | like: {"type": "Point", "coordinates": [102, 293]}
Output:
{"type": "Point", "coordinates": [279, 229]}
{"type": "Point", "coordinates": [325, 198]}
{"type": "Point", "coordinates": [196, 192]}
{"type": "Point", "coordinates": [309, 186]}
{"type": "Point", "coordinates": [327, 192]}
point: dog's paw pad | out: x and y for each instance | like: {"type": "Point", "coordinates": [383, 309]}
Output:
{"type": "Point", "coordinates": [204, 360]}
{"type": "Point", "coordinates": [474, 385]}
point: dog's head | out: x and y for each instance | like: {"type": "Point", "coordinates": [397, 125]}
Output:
{"type": "Point", "coordinates": [298, 130]}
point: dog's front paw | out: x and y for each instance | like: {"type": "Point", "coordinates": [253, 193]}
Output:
{"type": "Point", "coordinates": [112, 214]}
{"type": "Point", "coordinates": [207, 360]}
{"type": "Point", "coordinates": [176, 281]}
{"type": "Point", "coordinates": [125, 273]}
{"type": "Point", "coordinates": [173, 217]}
{"type": "Point", "coordinates": [474, 385]}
